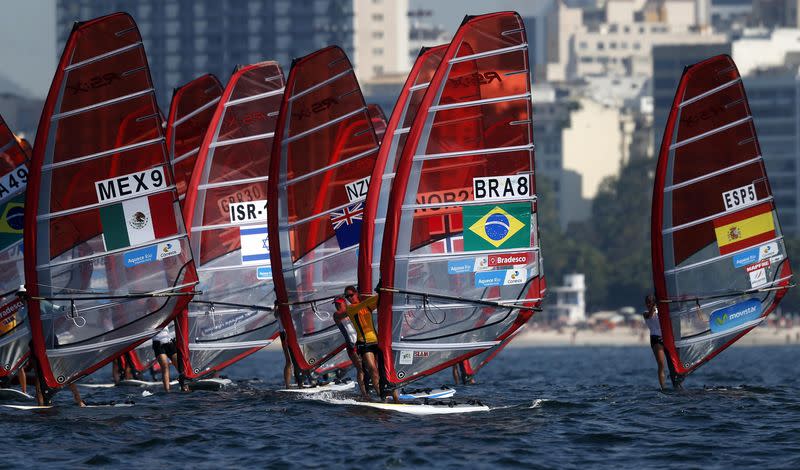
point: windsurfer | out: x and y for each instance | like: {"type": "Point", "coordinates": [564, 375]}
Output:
{"type": "Point", "coordinates": [459, 374]}
{"type": "Point", "coordinates": [164, 348]}
{"type": "Point", "coordinates": [656, 343]}
{"type": "Point", "coordinates": [287, 357]}
{"type": "Point", "coordinates": [360, 314]}
{"type": "Point", "coordinates": [339, 316]}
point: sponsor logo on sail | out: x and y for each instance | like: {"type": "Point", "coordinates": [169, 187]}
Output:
{"type": "Point", "coordinates": [507, 277]}
{"type": "Point", "coordinates": [745, 258]}
{"type": "Point", "coordinates": [735, 315]}
{"type": "Point", "coordinates": [761, 264]}
{"type": "Point", "coordinates": [510, 259]}
{"type": "Point", "coordinates": [151, 253]}
{"type": "Point", "coordinates": [462, 266]}
{"type": "Point", "coordinates": [264, 272]}
{"type": "Point", "coordinates": [767, 251]}
{"type": "Point", "coordinates": [758, 278]}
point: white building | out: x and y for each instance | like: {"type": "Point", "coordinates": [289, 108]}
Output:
{"type": "Point", "coordinates": [622, 44]}
{"type": "Point", "coordinates": [570, 304]}
{"type": "Point", "coordinates": [381, 33]}
{"type": "Point", "coordinates": [764, 49]}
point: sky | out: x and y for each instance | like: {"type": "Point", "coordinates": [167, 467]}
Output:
{"type": "Point", "coordinates": [28, 44]}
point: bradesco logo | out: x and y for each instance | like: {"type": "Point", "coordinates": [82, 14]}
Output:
{"type": "Point", "coordinates": [736, 315]}
{"type": "Point", "coordinates": [510, 259]}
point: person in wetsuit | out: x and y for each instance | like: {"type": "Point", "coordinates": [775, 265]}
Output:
{"type": "Point", "coordinates": [656, 342]}
{"type": "Point", "coordinates": [360, 313]}
{"type": "Point", "coordinates": [338, 317]}
{"type": "Point", "coordinates": [165, 348]}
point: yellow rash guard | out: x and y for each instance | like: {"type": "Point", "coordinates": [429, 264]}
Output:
{"type": "Point", "coordinates": [360, 315]}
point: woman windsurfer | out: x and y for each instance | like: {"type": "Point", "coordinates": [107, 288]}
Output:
{"type": "Point", "coordinates": [656, 343]}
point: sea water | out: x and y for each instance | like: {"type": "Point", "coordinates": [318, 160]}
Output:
{"type": "Point", "coordinates": [561, 407]}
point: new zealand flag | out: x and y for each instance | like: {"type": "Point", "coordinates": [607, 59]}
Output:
{"type": "Point", "coordinates": [347, 225]}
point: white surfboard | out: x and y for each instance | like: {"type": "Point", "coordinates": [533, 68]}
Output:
{"type": "Point", "coordinates": [143, 383]}
{"type": "Point", "coordinates": [436, 393]}
{"type": "Point", "coordinates": [94, 385]}
{"type": "Point", "coordinates": [414, 408]}
{"type": "Point", "coordinates": [110, 405]}
{"type": "Point", "coordinates": [13, 394]}
{"type": "Point", "coordinates": [331, 387]}
{"type": "Point", "coordinates": [26, 407]}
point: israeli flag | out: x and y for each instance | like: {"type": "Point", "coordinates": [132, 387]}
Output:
{"type": "Point", "coordinates": [255, 244]}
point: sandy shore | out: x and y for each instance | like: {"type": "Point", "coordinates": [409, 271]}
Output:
{"type": "Point", "coordinates": [626, 336]}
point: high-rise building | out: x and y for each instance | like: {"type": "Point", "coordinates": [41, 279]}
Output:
{"type": "Point", "coordinates": [774, 97]}
{"type": "Point", "coordinates": [187, 38]}
{"type": "Point", "coordinates": [668, 64]}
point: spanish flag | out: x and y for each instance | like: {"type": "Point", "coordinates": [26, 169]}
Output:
{"type": "Point", "coordinates": [746, 228]}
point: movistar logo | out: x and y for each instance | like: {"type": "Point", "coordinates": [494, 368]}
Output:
{"type": "Point", "coordinates": [721, 320]}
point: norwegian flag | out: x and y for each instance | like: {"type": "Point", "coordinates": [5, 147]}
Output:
{"type": "Point", "coordinates": [448, 245]}
{"type": "Point", "coordinates": [448, 226]}
{"type": "Point", "coordinates": [347, 225]}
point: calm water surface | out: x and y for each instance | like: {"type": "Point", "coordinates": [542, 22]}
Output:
{"type": "Point", "coordinates": [554, 407]}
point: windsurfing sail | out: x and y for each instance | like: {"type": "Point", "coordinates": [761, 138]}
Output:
{"type": "Point", "coordinates": [107, 261]}
{"type": "Point", "coordinates": [719, 261]}
{"type": "Point", "coordinates": [190, 113]}
{"type": "Point", "coordinates": [15, 333]}
{"type": "Point", "coordinates": [471, 366]}
{"type": "Point", "coordinates": [460, 266]}
{"type": "Point", "coordinates": [226, 215]}
{"type": "Point", "coordinates": [323, 154]}
{"type": "Point", "coordinates": [377, 202]}
{"type": "Point", "coordinates": [378, 120]}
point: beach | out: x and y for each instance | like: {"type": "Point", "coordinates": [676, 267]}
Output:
{"type": "Point", "coordinates": [764, 335]}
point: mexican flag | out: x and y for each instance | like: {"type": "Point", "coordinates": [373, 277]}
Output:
{"type": "Point", "coordinates": [138, 221]}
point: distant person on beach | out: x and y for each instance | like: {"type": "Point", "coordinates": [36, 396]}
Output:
{"type": "Point", "coordinates": [656, 343]}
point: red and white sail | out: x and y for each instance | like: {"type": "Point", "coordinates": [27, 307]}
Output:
{"type": "Point", "coordinates": [719, 261]}
{"type": "Point", "coordinates": [378, 120]}
{"type": "Point", "coordinates": [190, 113]}
{"type": "Point", "coordinates": [107, 261]}
{"type": "Point", "coordinates": [376, 204]}
{"type": "Point", "coordinates": [226, 214]}
{"type": "Point", "coordinates": [461, 266]}
{"type": "Point", "coordinates": [323, 155]}
{"type": "Point", "coordinates": [15, 333]}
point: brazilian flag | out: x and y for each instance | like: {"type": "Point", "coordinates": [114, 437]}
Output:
{"type": "Point", "coordinates": [11, 217]}
{"type": "Point", "coordinates": [497, 226]}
